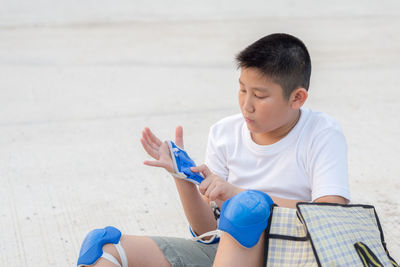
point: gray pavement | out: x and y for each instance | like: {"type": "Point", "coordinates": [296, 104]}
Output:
{"type": "Point", "coordinates": [79, 80]}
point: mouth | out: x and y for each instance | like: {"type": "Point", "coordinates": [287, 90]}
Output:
{"type": "Point", "coordinates": [248, 120]}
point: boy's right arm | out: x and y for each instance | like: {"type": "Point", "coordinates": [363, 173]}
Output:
{"type": "Point", "coordinates": [197, 210]}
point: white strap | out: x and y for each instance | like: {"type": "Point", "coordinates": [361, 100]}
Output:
{"type": "Point", "coordinates": [178, 175]}
{"type": "Point", "coordinates": [122, 254]}
{"type": "Point", "coordinates": [214, 234]}
{"type": "Point", "coordinates": [110, 258]}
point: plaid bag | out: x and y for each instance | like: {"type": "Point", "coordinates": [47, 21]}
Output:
{"type": "Point", "coordinates": [325, 234]}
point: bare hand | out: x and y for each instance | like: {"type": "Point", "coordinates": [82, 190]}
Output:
{"type": "Point", "coordinates": [213, 186]}
{"type": "Point", "coordinates": [159, 150]}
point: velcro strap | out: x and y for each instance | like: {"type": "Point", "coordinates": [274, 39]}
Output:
{"type": "Point", "coordinates": [214, 234]}
{"type": "Point", "coordinates": [178, 175]}
{"type": "Point", "coordinates": [111, 258]}
{"type": "Point", "coordinates": [122, 254]}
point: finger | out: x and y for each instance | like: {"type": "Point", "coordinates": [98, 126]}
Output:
{"type": "Point", "coordinates": [179, 136]}
{"type": "Point", "coordinates": [153, 137]}
{"type": "Point", "coordinates": [195, 169]}
{"type": "Point", "coordinates": [148, 146]}
{"type": "Point", "coordinates": [147, 137]}
{"type": "Point", "coordinates": [203, 169]}
{"type": "Point", "coordinates": [153, 163]}
{"type": "Point", "coordinates": [217, 193]}
{"type": "Point", "coordinates": [203, 186]}
{"type": "Point", "coordinates": [209, 190]}
{"type": "Point", "coordinates": [151, 151]}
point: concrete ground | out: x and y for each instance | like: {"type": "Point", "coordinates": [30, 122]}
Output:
{"type": "Point", "coordinates": [79, 80]}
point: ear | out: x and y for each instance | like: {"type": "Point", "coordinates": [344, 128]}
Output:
{"type": "Point", "coordinates": [297, 98]}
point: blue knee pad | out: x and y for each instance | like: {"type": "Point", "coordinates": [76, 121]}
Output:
{"type": "Point", "coordinates": [245, 216]}
{"type": "Point", "coordinates": [92, 247]}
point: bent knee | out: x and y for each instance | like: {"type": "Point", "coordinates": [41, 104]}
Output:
{"type": "Point", "coordinates": [140, 251]}
{"type": "Point", "coordinates": [245, 216]}
{"type": "Point", "coordinates": [102, 243]}
{"type": "Point", "coordinates": [248, 207]}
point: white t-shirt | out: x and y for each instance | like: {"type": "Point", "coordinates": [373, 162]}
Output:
{"type": "Point", "coordinates": [308, 163]}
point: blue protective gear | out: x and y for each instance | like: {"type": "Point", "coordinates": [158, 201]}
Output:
{"type": "Point", "coordinates": [214, 237]}
{"type": "Point", "coordinates": [182, 163]}
{"type": "Point", "coordinates": [92, 247]}
{"type": "Point", "coordinates": [245, 216]}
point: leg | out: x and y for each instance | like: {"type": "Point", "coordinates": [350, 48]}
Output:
{"type": "Point", "coordinates": [140, 250]}
{"type": "Point", "coordinates": [231, 253]}
{"type": "Point", "coordinates": [243, 220]}
{"type": "Point", "coordinates": [143, 251]}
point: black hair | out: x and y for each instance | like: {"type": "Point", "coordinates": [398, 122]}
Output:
{"type": "Point", "coordinates": [279, 56]}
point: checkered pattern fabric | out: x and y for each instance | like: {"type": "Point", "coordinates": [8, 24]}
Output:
{"type": "Point", "coordinates": [334, 230]}
{"type": "Point", "coordinates": [331, 228]}
{"type": "Point", "coordinates": [282, 251]}
{"type": "Point", "coordinates": [285, 222]}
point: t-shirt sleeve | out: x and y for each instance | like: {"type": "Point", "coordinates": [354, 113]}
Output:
{"type": "Point", "coordinates": [328, 165]}
{"type": "Point", "coordinates": [215, 157]}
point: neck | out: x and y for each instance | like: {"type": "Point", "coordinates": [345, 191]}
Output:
{"type": "Point", "coordinates": [277, 134]}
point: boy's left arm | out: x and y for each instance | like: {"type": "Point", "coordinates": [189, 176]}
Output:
{"type": "Point", "coordinates": [327, 168]}
{"type": "Point", "coordinates": [214, 188]}
{"type": "Point", "coordinates": [332, 199]}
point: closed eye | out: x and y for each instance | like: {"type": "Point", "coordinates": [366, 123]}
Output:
{"type": "Point", "coordinates": [260, 97]}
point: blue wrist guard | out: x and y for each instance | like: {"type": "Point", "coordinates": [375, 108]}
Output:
{"type": "Point", "coordinates": [182, 164]}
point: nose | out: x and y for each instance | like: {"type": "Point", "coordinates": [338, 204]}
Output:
{"type": "Point", "coordinates": [248, 104]}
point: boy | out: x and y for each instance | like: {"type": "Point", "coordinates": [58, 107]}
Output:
{"type": "Point", "coordinates": [291, 153]}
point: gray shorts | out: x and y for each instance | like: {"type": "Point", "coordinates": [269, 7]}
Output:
{"type": "Point", "coordinates": [184, 252]}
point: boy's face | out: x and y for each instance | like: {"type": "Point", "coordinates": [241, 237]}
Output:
{"type": "Point", "coordinates": [263, 104]}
